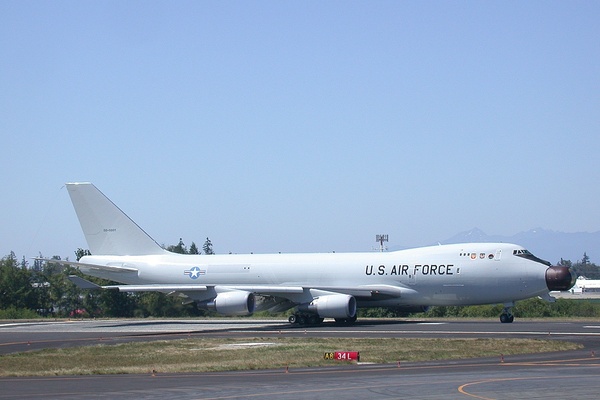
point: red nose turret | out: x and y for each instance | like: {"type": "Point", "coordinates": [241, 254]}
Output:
{"type": "Point", "coordinates": [560, 278]}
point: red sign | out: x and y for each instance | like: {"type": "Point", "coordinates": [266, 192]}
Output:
{"type": "Point", "coordinates": [343, 356]}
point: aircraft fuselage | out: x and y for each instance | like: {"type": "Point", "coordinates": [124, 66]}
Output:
{"type": "Point", "coordinates": [457, 274]}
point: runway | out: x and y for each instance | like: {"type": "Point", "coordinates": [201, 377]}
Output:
{"type": "Point", "coordinates": [557, 375]}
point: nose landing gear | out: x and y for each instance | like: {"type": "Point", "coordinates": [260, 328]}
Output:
{"type": "Point", "coordinates": [507, 316]}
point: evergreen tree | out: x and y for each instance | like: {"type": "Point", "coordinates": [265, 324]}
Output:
{"type": "Point", "coordinates": [81, 252]}
{"type": "Point", "coordinates": [583, 268]}
{"type": "Point", "coordinates": [113, 303]}
{"type": "Point", "coordinates": [193, 249]}
{"type": "Point", "coordinates": [585, 260]}
{"type": "Point", "coordinates": [15, 285]}
{"type": "Point", "coordinates": [565, 263]}
{"type": "Point", "coordinates": [208, 247]}
{"type": "Point", "coordinates": [180, 248]}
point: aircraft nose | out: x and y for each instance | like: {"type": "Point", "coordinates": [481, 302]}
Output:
{"type": "Point", "coordinates": [560, 278]}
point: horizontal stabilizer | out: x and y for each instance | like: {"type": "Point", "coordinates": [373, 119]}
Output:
{"type": "Point", "coordinates": [109, 268]}
{"type": "Point", "coordinates": [83, 283]}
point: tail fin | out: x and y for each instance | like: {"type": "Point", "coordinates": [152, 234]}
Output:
{"type": "Point", "coordinates": [107, 230]}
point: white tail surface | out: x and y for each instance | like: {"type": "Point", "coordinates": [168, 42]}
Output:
{"type": "Point", "coordinates": [107, 229]}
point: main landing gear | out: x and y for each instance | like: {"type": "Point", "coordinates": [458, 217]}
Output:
{"type": "Point", "coordinates": [305, 319]}
{"type": "Point", "coordinates": [314, 319]}
{"type": "Point", "coordinates": [507, 316]}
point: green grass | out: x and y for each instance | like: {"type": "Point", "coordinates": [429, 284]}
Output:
{"type": "Point", "coordinates": [203, 355]}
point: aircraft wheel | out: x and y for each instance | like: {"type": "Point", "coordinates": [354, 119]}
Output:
{"type": "Point", "coordinates": [506, 319]}
{"type": "Point", "coordinates": [507, 316]}
{"type": "Point", "coordinates": [292, 319]}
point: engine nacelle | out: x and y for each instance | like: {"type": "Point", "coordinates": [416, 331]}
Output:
{"type": "Point", "coordinates": [233, 303]}
{"type": "Point", "coordinates": [332, 306]}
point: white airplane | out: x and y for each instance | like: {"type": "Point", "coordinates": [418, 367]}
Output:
{"type": "Point", "coordinates": [583, 285]}
{"type": "Point", "coordinates": [318, 286]}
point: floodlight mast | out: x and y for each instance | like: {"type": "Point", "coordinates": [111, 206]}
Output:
{"type": "Point", "coordinates": [381, 239]}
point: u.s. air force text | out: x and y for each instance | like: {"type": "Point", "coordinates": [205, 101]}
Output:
{"type": "Point", "coordinates": [417, 269]}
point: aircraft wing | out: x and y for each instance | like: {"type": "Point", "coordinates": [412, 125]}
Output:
{"type": "Point", "coordinates": [85, 284]}
{"type": "Point", "coordinates": [357, 291]}
{"type": "Point", "coordinates": [266, 290]}
{"type": "Point", "coordinates": [367, 290]}
{"type": "Point", "coordinates": [286, 292]}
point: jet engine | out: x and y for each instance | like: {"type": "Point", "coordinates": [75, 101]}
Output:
{"type": "Point", "coordinates": [332, 306]}
{"type": "Point", "coordinates": [233, 303]}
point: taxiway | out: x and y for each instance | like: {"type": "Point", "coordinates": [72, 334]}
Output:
{"type": "Point", "coordinates": [566, 374]}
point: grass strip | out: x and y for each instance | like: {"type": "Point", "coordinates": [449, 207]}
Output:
{"type": "Point", "coordinates": [204, 355]}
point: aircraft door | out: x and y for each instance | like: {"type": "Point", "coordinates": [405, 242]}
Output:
{"type": "Point", "coordinates": [412, 278]}
{"type": "Point", "coordinates": [498, 255]}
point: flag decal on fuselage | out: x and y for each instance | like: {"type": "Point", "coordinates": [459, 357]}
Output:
{"type": "Point", "coordinates": [195, 272]}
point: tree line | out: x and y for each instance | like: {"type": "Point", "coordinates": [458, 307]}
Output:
{"type": "Point", "coordinates": [43, 290]}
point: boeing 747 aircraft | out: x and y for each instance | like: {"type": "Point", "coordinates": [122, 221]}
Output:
{"type": "Point", "coordinates": [316, 286]}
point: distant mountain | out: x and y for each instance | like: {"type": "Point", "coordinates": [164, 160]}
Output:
{"type": "Point", "coordinates": [546, 244]}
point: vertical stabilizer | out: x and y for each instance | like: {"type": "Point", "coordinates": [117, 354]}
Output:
{"type": "Point", "coordinates": [107, 230]}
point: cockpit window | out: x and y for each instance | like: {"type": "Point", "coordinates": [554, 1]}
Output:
{"type": "Point", "coordinates": [526, 254]}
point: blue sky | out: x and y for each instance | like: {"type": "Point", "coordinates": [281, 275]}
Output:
{"type": "Point", "coordinates": [299, 126]}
